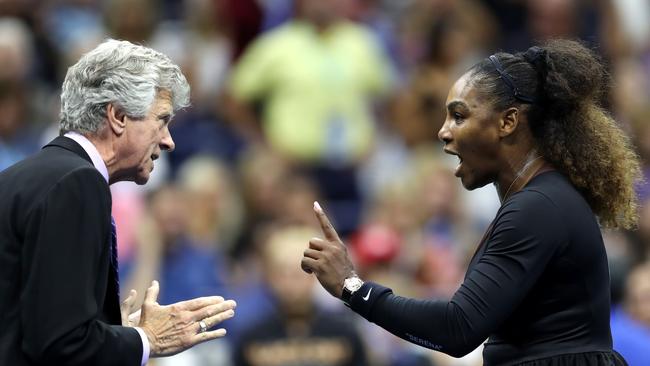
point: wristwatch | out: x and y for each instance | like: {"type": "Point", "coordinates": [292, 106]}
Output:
{"type": "Point", "coordinates": [350, 286]}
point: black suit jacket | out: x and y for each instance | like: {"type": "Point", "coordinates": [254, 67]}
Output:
{"type": "Point", "coordinates": [56, 304]}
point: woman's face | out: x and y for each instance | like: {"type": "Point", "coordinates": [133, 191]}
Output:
{"type": "Point", "coordinates": [471, 132]}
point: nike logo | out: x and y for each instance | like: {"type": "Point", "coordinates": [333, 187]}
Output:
{"type": "Point", "coordinates": [365, 298]}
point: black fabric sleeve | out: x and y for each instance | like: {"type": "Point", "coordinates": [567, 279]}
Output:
{"type": "Point", "coordinates": [62, 301]}
{"type": "Point", "coordinates": [527, 232]}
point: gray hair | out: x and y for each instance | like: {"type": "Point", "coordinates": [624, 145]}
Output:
{"type": "Point", "coordinates": [124, 74]}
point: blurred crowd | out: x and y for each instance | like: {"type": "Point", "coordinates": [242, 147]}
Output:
{"type": "Point", "coordinates": [338, 101]}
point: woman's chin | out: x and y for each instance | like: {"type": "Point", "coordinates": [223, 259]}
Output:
{"type": "Point", "coordinates": [471, 183]}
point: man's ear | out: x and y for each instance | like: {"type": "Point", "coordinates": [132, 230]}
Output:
{"type": "Point", "coordinates": [508, 122]}
{"type": "Point", "coordinates": [116, 119]}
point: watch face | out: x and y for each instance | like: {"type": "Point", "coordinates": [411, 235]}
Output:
{"type": "Point", "coordinates": [352, 284]}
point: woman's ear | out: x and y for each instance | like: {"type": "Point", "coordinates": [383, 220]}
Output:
{"type": "Point", "coordinates": [508, 122]}
{"type": "Point", "coordinates": [116, 119]}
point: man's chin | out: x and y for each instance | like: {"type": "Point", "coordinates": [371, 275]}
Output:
{"type": "Point", "coordinates": [141, 180]}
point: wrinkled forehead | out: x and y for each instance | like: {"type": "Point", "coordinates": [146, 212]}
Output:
{"type": "Point", "coordinates": [162, 101]}
{"type": "Point", "coordinates": [163, 95]}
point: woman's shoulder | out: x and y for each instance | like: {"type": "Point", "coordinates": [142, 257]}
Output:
{"type": "Point", "coordinates": [549, 199]}
{"type": "Point", "coordinates": [552, 190]}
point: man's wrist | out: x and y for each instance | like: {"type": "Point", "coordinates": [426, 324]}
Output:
{"type": "Point", "coordinates": [146, 347]}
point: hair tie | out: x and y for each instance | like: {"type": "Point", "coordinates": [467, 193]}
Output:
{"type": "Point", "coordinates": [536, 56]}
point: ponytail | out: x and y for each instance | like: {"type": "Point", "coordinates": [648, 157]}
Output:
{"type": "Point", "coordinates": [568, 82]}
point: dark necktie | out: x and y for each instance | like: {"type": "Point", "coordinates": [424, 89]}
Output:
{"type": "Point", "coordinates": [114, 278]}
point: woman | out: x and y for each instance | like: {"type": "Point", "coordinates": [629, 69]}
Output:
{"type": "Point", "coordinates": [537, 287]}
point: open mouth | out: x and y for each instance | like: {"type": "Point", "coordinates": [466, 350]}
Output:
{"type": "Point", "coordinates": [460, 160]}
{"type": "Point", "coordinates": [153, 158]}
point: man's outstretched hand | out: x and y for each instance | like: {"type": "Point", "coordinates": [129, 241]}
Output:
{"type": "Point", "coordinates": [130, 314]}
{"type": "Point", "coordinates": [327, 258]}
{"type": "Point", "coordinates": [174, 328]}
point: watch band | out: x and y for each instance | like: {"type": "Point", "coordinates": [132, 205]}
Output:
{"type": "Point", "coordinates": [346, 296]}
{"type": "Point", "coordinates": [350, 286]}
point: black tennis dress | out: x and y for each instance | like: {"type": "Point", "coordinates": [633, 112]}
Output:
{"type": "Point", "coordinates": [537, 288]}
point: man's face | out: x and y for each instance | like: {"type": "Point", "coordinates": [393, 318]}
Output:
{"type": "Point", "coordinates": [322, 12]}
{"type": "Point", "coordinates": [145, 138]}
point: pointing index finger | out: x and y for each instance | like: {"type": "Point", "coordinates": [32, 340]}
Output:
{"type": "Point", "coordinates": [325, 224]}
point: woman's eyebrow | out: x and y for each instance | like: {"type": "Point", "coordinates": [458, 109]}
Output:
{"type": "Point", "coordinates": [457, 104]}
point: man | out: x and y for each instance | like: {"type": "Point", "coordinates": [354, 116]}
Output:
{"type": "Point", "coordinates": [316, 77]}
{"type": "Point", "coordinates": [59, 302]}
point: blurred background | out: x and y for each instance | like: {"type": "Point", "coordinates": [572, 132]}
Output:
{"type": "Point", "coordinates": [338, 101]}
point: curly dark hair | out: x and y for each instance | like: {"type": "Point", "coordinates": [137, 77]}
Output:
{"type": "Point", "coordinates": [573, 131]}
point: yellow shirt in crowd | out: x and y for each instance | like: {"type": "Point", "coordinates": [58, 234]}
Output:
{"type": "Point", "coordinates": [316, 89]}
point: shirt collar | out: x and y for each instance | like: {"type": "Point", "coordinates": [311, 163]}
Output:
{"type": "Point", "coordinates": [91, 150]}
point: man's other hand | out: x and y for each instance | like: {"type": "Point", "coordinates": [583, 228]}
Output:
{"type": "Point", "coordinates": [174, 328]}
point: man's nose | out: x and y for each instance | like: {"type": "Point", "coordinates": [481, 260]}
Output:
{"type": "Point", "coordinates": [167, 142]}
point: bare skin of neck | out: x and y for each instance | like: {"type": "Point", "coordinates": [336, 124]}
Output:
{"type": "Point", "coordinates": [521, 161]}
{"type": "Point", "coordinates": [107, 143]}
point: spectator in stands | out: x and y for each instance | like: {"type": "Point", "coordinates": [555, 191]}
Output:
{"type": "Point", "coordinates": [296, 332]}
{"type": "Point", "coordinates": [631, 321]}
{"type": "Point", "coordinates": [316, 77]}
